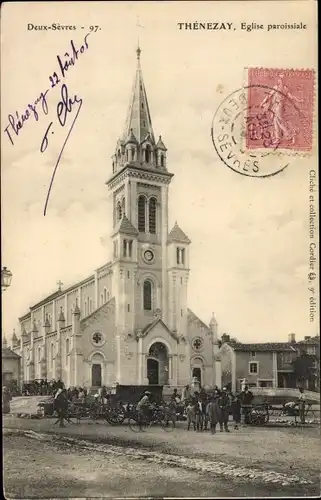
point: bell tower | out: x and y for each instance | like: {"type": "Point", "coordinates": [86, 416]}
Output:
{"type": "Point", "coordinates": [139, 187]}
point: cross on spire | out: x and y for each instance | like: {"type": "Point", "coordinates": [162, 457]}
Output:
{"type": "Point", "coordinates": [59, 283]}
{"type": "Point", "coordinates": [138, 51]}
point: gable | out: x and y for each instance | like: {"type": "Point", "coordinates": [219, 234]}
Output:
{"type": "Point", "coordinates": [100, 315]}
{"type": "Point", "coordinates": [157, 331]}
{"type": "Point", "coordinates": [192, 320]}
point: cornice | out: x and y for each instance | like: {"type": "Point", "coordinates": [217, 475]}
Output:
{"type": "Point", "coordinates": [155, 175]}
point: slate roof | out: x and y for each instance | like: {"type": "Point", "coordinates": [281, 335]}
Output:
{"type": "Point", "coordinates": [177, 234]}
{"type": "Point", "coordinates": [124, 226]}
{"type": "Point", "coordinates": [160, 144]}
{"type": "Point", "coordinates": [138, 115]}
{"type": "Point", "coordinates": [60, 293]}
{"type": "Point", "coordinates": [9, 354]}
{"type": "Point", "coordinates": [192, 316]}
{"type": "Point", "coordinates": [267, 347]}
{"type": "Point", "coordinates": [131, 137]}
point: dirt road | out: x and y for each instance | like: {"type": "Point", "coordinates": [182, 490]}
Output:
{"type": "Point", "coordinates": [99, 460]}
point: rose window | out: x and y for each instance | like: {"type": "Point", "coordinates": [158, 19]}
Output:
{"type": "Point", "coordinates": [197, 344]}
{"type": "Point", "coordinates": [97, 338]}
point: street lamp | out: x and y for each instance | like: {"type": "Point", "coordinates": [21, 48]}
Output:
{"type": "Point", "coordinates": [6, 277]}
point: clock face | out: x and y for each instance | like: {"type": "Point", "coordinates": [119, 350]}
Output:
{"type": "Point", "coordinates": [148, 255]}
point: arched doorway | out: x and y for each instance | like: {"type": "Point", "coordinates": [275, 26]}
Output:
{"type": "Point", "coordinates": [197, 369]}
{"type": "Point", "coordinates": [153, 371]}
{"type": "Point", "coordinates": [158, 364]}
{"type": "Point", "coordinates": [97, 369]}
{"type": "Point", "coordinates": [96, 375]}
{"type": "Point", "coordinates": [197, 372]}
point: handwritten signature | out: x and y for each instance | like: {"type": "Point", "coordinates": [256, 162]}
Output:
{"type": "Point", "coordinates": [66, 104]}
{"type": "Point", "coordinates": [64, 107]}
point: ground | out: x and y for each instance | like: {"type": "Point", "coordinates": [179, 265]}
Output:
{"type": "Point", "coordinates": [95, 459]}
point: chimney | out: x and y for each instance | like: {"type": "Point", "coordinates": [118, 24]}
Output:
{"type": "Point", "coordinates": [292, 338]}
{"type": "Point", "coordinates": [225, 338]}
{"type": "Point", "coordinates": [307, 337]}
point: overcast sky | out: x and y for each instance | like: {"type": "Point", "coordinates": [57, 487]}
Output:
{"type": "Point", "coordinates": [250, 247]}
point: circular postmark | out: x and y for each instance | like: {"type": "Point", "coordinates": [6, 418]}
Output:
{"type": "Point", "coordinates": [244, 133]}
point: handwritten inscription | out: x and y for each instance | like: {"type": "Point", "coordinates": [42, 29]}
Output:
{"type": "Point", "coordinates": [65, 107]}
{"type": "Point", "coordinates": [18, 120]}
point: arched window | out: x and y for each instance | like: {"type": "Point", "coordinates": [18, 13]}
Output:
{"type": "Point", "coordinates": [101, 299]}
{"type": "Point", "coordinates": [39, 354]}
{"type": "Point", "coordinates": [141, 214]}
{"type": "Point", "coordinates": [147, 295]}
{"type": "Point", "coordinates": [152, 215]}
{"type": "Point", "coordinates": [123, 206]}
{"type": "Point", "coordinates": [86, 308]}
{"type": "Point", "coordinates": [119, 211]}
{"type": "Point", "coordinates": [133, 154]}
{"type": "Point", "coordinates": [147, 153]}
{"type": "Point", "coordinates": [105, 294]}
{"type": "Point", "coordinates": [90, 306]}
{"type": "Point", "coordinates": [67, 350]}
{"type": "Point", "coordinates": [162, 160]}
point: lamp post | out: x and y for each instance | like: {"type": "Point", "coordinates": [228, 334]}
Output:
{"type": "Point", "coordinates": [6, 277]}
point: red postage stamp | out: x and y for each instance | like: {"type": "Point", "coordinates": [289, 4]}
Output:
{"type": "Point", "coordinates": [280, 109]}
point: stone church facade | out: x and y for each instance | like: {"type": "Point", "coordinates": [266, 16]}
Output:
{"type": "Point", "coordinates": [128, 322]}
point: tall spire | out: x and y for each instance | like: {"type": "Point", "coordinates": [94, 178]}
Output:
{"type": "Point", "coordinates": [138, 120]}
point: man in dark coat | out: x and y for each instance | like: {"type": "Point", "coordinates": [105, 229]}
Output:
{"type": "Point", "coordinates": [246, 397]}
{"type": "Point", "coordinates": [61, 405]}
{"type": "Point", "coordinates": [224, 404]}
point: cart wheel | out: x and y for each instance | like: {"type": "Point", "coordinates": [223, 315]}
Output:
{"type": "Point", "coordinates": [134, 425]}
{"type": "Point", "coordinates": [167, 424]}
{"type": "Point", "coordinates": [115, 418]}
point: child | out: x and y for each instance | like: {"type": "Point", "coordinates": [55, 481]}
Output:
{"type": "Point", "coordinates": [213, 413]}
{"type": "Point", "coordinates": [191, 415]}
{"type": "Point", "coordinates": [236, 410]}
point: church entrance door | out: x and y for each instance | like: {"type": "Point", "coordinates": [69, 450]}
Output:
{"type": "Point", "coordinates": [153, 371]}
{"type": "Point", "coordinates": [96, 375]}
{"type": "Point", "coordinates": [158, 364]}
{"type": "Point", "coordinates": [197, 372]}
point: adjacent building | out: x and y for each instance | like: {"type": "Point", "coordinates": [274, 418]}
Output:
{"type": "Point", "coordinates": [129, 321]}
{"type": "Point", "coordinates": [11, 365]}
{"type": "Point", "coordinates": [311, 347]}
{"type": "Point", "coordinates": [268, 364]}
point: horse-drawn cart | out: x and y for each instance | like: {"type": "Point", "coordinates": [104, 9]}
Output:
{"type": "Point", "coordinates": [261, 414]}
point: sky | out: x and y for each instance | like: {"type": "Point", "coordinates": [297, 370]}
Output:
{"type": "Point", "coordinates": [249, 255]}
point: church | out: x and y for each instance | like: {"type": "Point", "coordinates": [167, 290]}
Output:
{"type": "Point", "coordinates": [127, 323]}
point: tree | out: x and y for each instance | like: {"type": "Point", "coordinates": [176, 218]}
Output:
{"type": "Point", "coordinates": [303, 367]}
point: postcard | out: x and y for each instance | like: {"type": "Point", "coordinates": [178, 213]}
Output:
{"type": "Point", "coordinates": [160, 248]}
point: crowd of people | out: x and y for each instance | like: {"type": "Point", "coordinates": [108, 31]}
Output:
{"type": "Point", "coordinates": [41, 387]}
{"type": "Point", "coordinates": [205, 410]}
{"type": "Point", "coordinates": [201, 409]}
